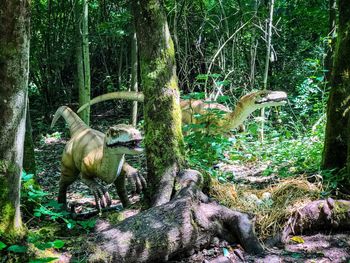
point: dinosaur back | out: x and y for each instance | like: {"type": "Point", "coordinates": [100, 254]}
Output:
{"type": "Point", "coordinates": [72, 119]}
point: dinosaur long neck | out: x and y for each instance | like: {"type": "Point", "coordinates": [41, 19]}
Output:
{"type": "Point", "coordinates": [73, 121]}
{"type": "Point", "coordinates": [238, 116]}
{"type": "Point", "coordinates": [111, 165]}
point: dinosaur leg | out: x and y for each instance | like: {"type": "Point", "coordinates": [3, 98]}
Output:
{"type": "Point", "coordinates": [65, 181]}
{"type": "Point", "coordinates": [101, 195]}
{"type": "Point", "coordinates": [121, 190]}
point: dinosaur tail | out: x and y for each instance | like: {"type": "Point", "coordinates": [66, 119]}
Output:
{"type": "Point", "coordinates": [72, 119]}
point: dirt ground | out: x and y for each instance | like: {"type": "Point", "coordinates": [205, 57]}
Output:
{"type": "Point", "coordinates": [325, 247]}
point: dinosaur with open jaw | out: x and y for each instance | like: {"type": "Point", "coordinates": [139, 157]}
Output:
{"type": "Point", "coordinates": [229, 120]}
{"type": "Point", "coordinates": [90, 154]}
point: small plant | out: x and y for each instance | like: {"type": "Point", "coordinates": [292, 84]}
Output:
{"type": "Point", "coordinates": [33, 196]}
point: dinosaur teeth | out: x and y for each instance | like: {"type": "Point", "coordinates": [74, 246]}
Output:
{"type": "Point", "coordinates": [129, 144]}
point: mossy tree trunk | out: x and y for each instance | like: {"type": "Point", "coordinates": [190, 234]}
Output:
{"type": "Point", "coordinates": [336, 148]}
{"type": "Point", "coordinates": [83, 57]}
{"type": "Point", "coordinates": [163, 135]}
{"type": "Point", "coordinates": [14, 66]}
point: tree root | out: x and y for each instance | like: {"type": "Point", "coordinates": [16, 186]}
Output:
{"type": "Point", "coordinates": [188, 222]}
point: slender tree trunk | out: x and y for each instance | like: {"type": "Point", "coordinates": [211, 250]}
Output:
{"type": "Point", "coordinates": [336, 149]}
{"type": "Point", "coordinates": [267, 63]}
{"type": "Point", "coordinates": [120, 67]}
{"type": "Point", "coordinates": [83, 58]}
{"type": "Point", "coordinates": [14, 67]}
{"type": "Point", "coordinates": [29, 164]}
{"type": "Point", "coordinates": [163, 135]}
{"type": "Point", "coordinates": [253, 47]}
{"type": "Point", "coordinates": [331, 38]}
{"type": "Point", "coordinates": [134, 71]}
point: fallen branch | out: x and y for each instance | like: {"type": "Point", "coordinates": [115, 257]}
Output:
{"type": "Point", "coordinates": [326, 214]}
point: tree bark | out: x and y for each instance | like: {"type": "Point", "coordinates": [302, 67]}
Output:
{"type": "Point", "coordinates": [14, 66]}
{"type": "Point", "coordinates": [188, 222]}
{"type": "Point", "coordinates": [336, 149]}
{"type": "Point", "coordinates": [319, 215]}
{"type": "Point", "coordinates": [162, 114]}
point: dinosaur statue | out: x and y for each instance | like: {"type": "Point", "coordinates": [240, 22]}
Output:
{"type": "Point", "coordinates": [90, 154]}
{"type": "Point", "coordinates": [229, 119]}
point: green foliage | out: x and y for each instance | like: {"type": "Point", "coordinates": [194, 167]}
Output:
{"type": "Point", "coordinates": [17, 249]}
{"type": "Point", "coordinates": [2, 245]}
{"type": "Point", "coordinates": [287, 149]}
{"type": "Point", "coordinates": [310, 95]}
{"type": "Point", "coordinates": [205, 145]}
{"type": "Point", "coordinates": [42, 260]}
{"type": "Point", "coordinates": [44, 207]}
{"type": "Point", "coordinates": [286, 152]}
{"type": "Point", "coordinates": [334, 180]}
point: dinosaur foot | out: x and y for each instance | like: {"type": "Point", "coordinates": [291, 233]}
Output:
{"type": "Point", "coordinates": [102, 198]}
{"type": "Point", "coordinates": [136, 181]}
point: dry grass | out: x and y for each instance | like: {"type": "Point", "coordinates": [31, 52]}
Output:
{"type": "Point", "coordinates": [272, 211]}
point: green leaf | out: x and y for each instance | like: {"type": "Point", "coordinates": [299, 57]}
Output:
{"type": "Point", "coordinates": [26, 177]}
{"type": "Point", "coordinates": [202, 77]}
{"type": "Point", "coordinates": [88, 224]}
{"type": "Point", "coordinates": [70, 224]}
{"type": "Point", "coordinates": [43, 246]}
{"type": "Point", "coordinates": [17, 249]}
{"type": "Point", "coordinates": [2, 245]}
{"type": "Point", "coordinates": [296, 255]}
{"type": "Point", "coordinates": [41, 260]}
{"type": "Point", "coordinates": [58, 243]}
{"type": "Point", "coordinates": [37, 214]}
{"type": "Point", "coordinates": [54, 204]}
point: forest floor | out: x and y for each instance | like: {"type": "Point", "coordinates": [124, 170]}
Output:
{"type": "Point", "coordinates": [320, 247]}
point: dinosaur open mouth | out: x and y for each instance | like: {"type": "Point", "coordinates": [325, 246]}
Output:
{"type": "Point", "coordinates": [130, 144]}
{"type": "Point", "coordinates": [282, 100]}
{"type": "Point", "coordinates": [278, 97]}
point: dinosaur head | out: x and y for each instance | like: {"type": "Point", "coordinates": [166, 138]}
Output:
{"type": "Point", "coordinates": [266, 98]}
{"type": "Point", "coordinates": [251, 102]}
{"type": "Point", "coordinates": [123, 139]}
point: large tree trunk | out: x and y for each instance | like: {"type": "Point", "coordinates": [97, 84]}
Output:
{"type": "Point", "coordinates": [175, 229]}
{"type": "Point", "coordinates": [83, 58]}
{"type": "Point", "coordinates": [14, 58]}
{"type": "Point", "coordinates": [163, 135]}
{"type": "Point", "coordinates": [335, 153]}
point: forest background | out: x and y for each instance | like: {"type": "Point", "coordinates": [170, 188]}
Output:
{"type": "Point", "coordinates": [302, 40]}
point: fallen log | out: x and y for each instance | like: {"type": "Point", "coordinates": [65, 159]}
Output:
{"type": "Point", "coordinates": [326, 214]}
{"type": "Point", "coordinates": [176, 229]}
